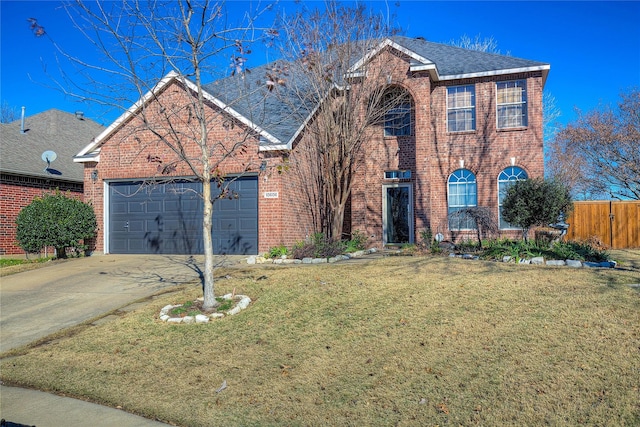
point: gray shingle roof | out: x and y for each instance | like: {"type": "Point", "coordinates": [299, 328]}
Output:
{"type": "Point", "coordinates": [281, 113]}
{"type": "Point", "coordinates": [53, 130]}
{"type": "Point", "coordinates": [453, 61]}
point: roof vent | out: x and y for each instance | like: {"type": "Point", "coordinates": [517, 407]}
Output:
{"type": "Point", "coordinates": [22, 121]}
{"type": "Point", "coordinates": [79, 115]}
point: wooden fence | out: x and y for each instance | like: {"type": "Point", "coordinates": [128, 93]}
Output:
{"type": "Point", "coordinates": [616, 224]}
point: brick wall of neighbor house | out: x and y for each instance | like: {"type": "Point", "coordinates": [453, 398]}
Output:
{"type": "Point", "coordinates": [432, 153]}
{"type": "Point", "coordinates": [16, 192]}
{"type": "Point", "coordinates": [135, 153]}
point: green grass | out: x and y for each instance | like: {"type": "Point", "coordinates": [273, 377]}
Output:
{"type": "Point", "coordinates": [12, 262]}
{"type": "Point", "coordinates": [396, 341]}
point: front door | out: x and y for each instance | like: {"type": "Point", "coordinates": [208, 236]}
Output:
{"type": "Point", "coordinates": [397, 214]}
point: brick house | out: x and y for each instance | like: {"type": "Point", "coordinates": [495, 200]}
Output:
{"type": "Point", "coordinates": [25, 175]}
{"type": "Point", "coordinates": [472, 124]}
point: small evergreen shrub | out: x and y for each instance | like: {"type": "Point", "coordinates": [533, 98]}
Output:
{"type": "Point", "coordinates": [278, 251]}
{"type": "Point", "coordinates": [357, 242]}
{"type": "Point", "coordinates": [55, 220]}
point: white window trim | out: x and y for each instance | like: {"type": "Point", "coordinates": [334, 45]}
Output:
{"type": "Point", "coordinates": [465, 206]}
{"type": "Point", "coordinates": [525, 103]}
{"type": "Point", "coordinates": [473, 109]}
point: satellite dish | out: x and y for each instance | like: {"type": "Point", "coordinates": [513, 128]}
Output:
{"type": "Point", "coordinates": [49, 156]}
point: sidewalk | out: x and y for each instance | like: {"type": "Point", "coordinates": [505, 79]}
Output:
{"type": "Point", "coordinates": [36, 408]}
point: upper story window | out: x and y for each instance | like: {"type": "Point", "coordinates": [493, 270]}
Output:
{"type": "Point", "coordinates": [463, 193]}
{"type": "Point", "coordinates": [505, 180]}
{"type": "Point", "coordinates": [461, 108]}
{"type": "Point", "coordinates": [512, 104]}
{"type": "Point", "coordinates": [397, 114]}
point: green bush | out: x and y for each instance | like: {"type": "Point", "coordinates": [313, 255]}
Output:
{"type": "Point", "coordinates": [278, 251]}
{"type": "Point", "coordinates": [55, 220]}
{"type": "Point", "coordinates": [357, 243]}
{"type": "Point", "coordinates": [518, 249]}
{"type": "Point", "coordinates": [534, 202]}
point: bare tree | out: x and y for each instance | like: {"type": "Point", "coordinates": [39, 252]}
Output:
{"type": "Point", "coordinates": [598, 153]}
{"type": "Point", "coordinates": [8, 113]}
{"type": "Point", "coordinates": [339, 88]}
{"type": "Point", "coordinates": [487, 44]}
{"type": "Point", "coordinates": [187, 42]}
{"type": "Point", "coordinates": [550, 115]}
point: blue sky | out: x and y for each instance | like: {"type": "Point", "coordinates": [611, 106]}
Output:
{"type": "Point", "coordinates": [593, 47]}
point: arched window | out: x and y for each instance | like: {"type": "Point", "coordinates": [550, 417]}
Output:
{"type": "Point", "coordinates": [462, 193]}
{"type": "Point", "coordinates": [397, 112]}
{"type": "Point", "coordinates": [506, 178]}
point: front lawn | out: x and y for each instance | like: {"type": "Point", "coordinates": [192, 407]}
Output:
{"type": "Point", "coordinates": [394, 341]}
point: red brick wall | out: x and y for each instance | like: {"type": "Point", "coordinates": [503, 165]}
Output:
{"type": "Point", "coordinates": [16, 192]}
{"type": "Point", "coordinates": [432, 153]}
{"type": "Point", "coordinates": [135, 152]}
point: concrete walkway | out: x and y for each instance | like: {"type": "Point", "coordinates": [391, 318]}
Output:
{"type": "Point", "coordinates": [35, 408]}
{"type": "Point", "coordinates": [37, 303]}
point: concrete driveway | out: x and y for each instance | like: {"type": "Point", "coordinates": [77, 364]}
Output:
{"type": "Point", "coordinates": [36, 303]}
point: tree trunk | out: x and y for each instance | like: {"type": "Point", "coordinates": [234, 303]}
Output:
{"type": "Point", "coordinates": [208, 285]}
{"type": "Point", "coordinates": [337, 220]}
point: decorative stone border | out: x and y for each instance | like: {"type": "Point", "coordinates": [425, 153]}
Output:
{"type": "Point", "coordinates": [541, 261]}
{"type": "Point", "coordinates": [243, 302]}
{"type": "Point", "coordinates": [256, 259]}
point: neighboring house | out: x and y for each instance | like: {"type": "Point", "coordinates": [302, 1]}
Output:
{"type": "Point", "coordinates": [23, 172]}
{"type": "Point", "coordinates": [472, 126]}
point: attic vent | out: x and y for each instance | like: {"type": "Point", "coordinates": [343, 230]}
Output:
{"type": "Point", "coordinates": [79, 115]}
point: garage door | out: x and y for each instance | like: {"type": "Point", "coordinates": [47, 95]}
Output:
{"type": "Point", "coordinates": [167, 218]}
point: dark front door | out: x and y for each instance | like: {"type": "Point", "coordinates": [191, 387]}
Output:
{"type": "Point", "coordinates": [397, 214]}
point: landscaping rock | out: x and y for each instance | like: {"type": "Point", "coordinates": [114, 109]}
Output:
{"type": "Point", "coordinates": [201, 318]}
{"type": "Point", "coordinates": [537, 260]}
{"type": "Point", "coordinates": [251, 260]}
{"type": "Point", "coordinates": [307, 260]}
{"type": "Point", "coordinates": [244, 302]}
{"type": "Point", "coordinates": [216, 315]}
{"type": "Point", "coordinates": [556, 262]}
{"type": "Point", "coordinates": [506, 258]}
{"type": "Point", "coordinates": [319, 261]}
{"type": "Point", "coordinates": [174, 320]}
{"type": "Point", "coordinates": [574, 263]}
{"type": "Point", "coordinates": [188, 319]}
{"type": "Point", "coordinates": [524, 261]}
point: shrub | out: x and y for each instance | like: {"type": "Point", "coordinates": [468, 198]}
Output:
{"type": "Point", "coordinates": [278, 251]}
{"type": "Point", "coordinates": [357, 243]}
{"type": "Point", "coordinates": [318, 246]}
{"type": "Point", "coordinates": [534, 202]}
{"type": "Point", "coordinates": [55, 220]}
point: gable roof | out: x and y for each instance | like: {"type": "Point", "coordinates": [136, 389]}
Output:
{"type": "Point", "coordinates": [452, 62]}
{"type": "Point", "coordinates": [91, 152]}
{"type": "Point", "coordinates": [55, 130]}
{"type": "Point", "coordinates": [280, 116]}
